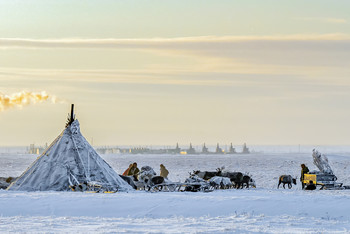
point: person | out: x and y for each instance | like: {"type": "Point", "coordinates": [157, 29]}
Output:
{"type": "Point", "coordinates": [310, 187]}
{"type": "Point", "coordinates": [126, 172]}
{"type": "Point", "coordinates": [304, 170]}
{"type": "Point", "coordinates": [134, 171]}
{"type": "Point", "coordinates": [163, 171]}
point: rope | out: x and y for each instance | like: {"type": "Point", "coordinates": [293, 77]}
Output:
{"type": "Point", "coordinates": [75, 145]}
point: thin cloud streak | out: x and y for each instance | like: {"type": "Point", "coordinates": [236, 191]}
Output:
{"type": "Point", "coordinates": [324, 20]}
{"type": "Point", "coordinates": [11, 43]}
{"type": "Point", "coordinates": [169, 77]}
{"type": "Point", "coordinates": [309, 51]}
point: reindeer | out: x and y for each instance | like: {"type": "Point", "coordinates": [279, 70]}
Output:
{"type": "Point", "coordinates": [219, 182]}
{"type": "Point", "coordinates": [286, 179]}
{"type": "Point", "coordinates": [235, 177]}
{"type": "Point", "coordinates": [248, 181]}
{"type": "Point", "coordinates": [206, 175]}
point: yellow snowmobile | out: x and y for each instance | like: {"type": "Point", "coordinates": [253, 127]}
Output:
{"type": "Point", "coordinates": [310, 181]}
{"type": "Point", "coordinates": [324, 177]}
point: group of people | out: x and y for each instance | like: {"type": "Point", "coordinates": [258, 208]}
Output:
{"type": "Point", "coordinates": [134, 171]}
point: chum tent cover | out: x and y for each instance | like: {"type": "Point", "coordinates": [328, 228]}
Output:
{"type": "Point", "coordinates": [69, 160]}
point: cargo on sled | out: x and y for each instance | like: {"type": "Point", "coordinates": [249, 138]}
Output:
{"type": "Point", "coordinates": [324, 178]}
{"type": "Point", "coordinates": [92, 187]}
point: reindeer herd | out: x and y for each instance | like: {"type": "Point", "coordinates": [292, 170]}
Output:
{"type": "Point", "coordinates": [225, 180]}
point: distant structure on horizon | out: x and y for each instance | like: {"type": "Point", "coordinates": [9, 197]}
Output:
{"type": "Point", "coordinates": [232, 150]}
{"type": "Point", "coordinates": [177, 150]}
{"type": "Point", "coordinates": [245, 149]}
{"type": "Point", "coordinates": [218, 149]}
{"type": "Point", "coordinates": [33, 149]}
{"type": "Point", "coordinates": [36, 149]}
{"type": "Point", "coordinates": [191, 150]}
{"type": "Point", "coordinates": [205, 149]}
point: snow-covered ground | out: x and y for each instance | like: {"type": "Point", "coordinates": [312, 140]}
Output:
{"type": "Point", "coordinates": [264, 209]}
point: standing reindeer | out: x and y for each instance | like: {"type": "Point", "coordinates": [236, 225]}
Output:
{"type": "Point", "coordinates": [286, 179]}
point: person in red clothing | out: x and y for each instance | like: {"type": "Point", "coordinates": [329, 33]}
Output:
{"type": "Point", "coordinates": [126, 172]}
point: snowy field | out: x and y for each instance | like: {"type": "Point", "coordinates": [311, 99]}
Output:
{"type": "Point", "coordinates": [265, 209]}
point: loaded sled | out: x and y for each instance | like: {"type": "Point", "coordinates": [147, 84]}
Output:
{"type": "Point", "coordinates": [181, 187]}
{"type": "Point", "coordinates": [149, 181]}
{"type": "Point", "coordinates": [92, 187]}
{"type": "Point", "coordinates": [324, 178]}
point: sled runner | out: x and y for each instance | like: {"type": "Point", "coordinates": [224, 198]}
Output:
{"type": "Point", "coordinates": [181, 187]}
{"type": "Point", "coordinates": [92, 187]}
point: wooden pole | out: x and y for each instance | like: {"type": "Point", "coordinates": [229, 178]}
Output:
{"type": "Point", "coordinates": [72, 114]}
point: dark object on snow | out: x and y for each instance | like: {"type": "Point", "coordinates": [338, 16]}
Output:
{"type": "Point", "coordinates": [235, 177]}
{"type": "Point", "coordinates": [82, 187]}
{"type": "Point", "coordinates": [193, 188]}
{"type": "Point", "coordinates": [286, 179]}
{"type": "Point", "coordinates": [92, 187]}
{"type": "Point", "coordinates": [304, 170]}
{"type": "Point", "coordinates": [157, 180]}
{"type": "Point", "coordinates": [206, 175]}
{"type": "Point", "coordinates": [6, 181]}
{"type": "Point", "coordinates": [129, 180]}
{"type": "Point", "coordinates": [10, 179]}
{"type": "Point", "coordinates": [248, 181]}
{"type": "Point", "coordinates": [310, 187]}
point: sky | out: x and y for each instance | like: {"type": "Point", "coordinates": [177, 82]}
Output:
{"type": "Point", "coordinates": [161, 72]}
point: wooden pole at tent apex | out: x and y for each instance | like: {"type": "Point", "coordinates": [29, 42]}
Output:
{"type": "Point", "coordinates": [72, 113]}
{"type": "Point", "coordinates": [70, 118]}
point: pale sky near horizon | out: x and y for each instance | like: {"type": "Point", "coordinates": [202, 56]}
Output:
{"type": "Point", "coordinates": [160, 72]}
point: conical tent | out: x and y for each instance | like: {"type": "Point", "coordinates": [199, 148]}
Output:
{"type": "Point", "coordinates": [69, 160]}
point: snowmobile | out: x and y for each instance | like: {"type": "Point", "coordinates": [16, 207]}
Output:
{"type": "Point", "coordinates": [324, 178]}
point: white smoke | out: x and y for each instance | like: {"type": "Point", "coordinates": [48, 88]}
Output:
{"type": "Point", "coordinates": [24, 98]}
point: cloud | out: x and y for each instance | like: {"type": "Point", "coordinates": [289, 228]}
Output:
{"type": "Point", "coordinates": [323, 20]}
{"type": "Point", "coordinates": [87, 79]}
{"type": "Point", "coordinates": [277, 62]}
{"type": "Point", "coordinates": [24, 98]}
{"type": "Point", "coordinates": [288, 50]}
{"type": "Point", "coordinates": [161, 43]}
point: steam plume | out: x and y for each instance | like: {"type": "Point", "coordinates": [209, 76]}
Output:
{"type": "Point", "coordinates": [23, 98]}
